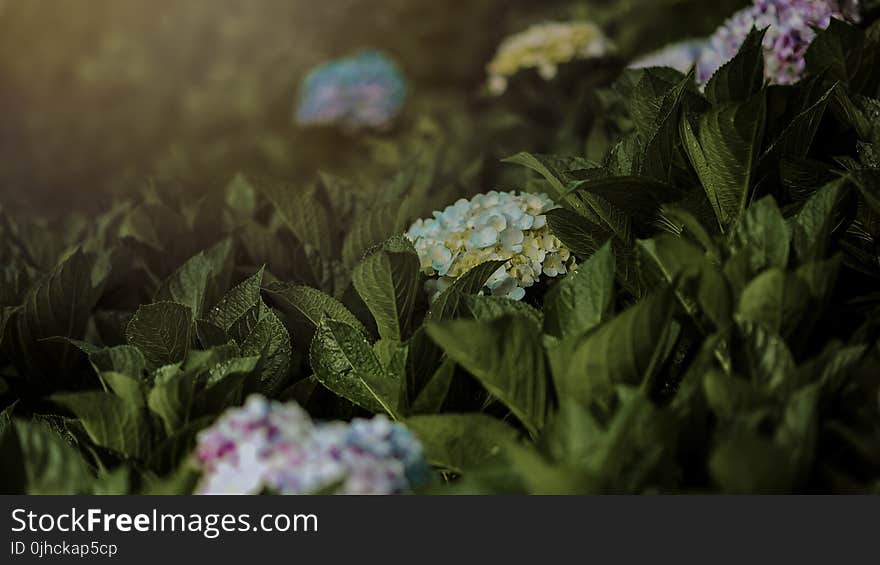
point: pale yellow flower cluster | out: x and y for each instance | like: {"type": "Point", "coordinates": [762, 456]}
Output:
{"type": "Point", "coordinates": [495, 226]}
{"type": "Point", "coordinates": [544, 47]}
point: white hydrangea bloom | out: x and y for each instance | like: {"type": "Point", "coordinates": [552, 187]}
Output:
{"type": "Point", "coordinates": [495, 226]}
{"type": "Point", "coordinates": [544, 47]}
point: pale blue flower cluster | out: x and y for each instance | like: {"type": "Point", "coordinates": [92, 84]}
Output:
{"type": "Point", "coordinates": [272, 446]}
{"type": "Point", "coordinates": [495, 226]}
{"type": "Point", "coordinates": [790, 24]}
{"type": "Point", "coordinates": [680, 56]}
{"type": "Point", "coordinates": [364, 91]}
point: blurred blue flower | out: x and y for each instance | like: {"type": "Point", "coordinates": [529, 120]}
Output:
{"type": "Point", "coordinates": [364, 91]}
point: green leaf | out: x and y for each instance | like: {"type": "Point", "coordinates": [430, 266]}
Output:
{"type": "Point", "coordinates": [848, 112]}
{"type": "Point", "coordinates": [867, 181]}
{"type": "Point", "coordinates": [388, 283]}
{"type": "Point", "coordinates": [625, 157]}
{"type": "Point", "coordinates": [780, 461]}
{"type": "Point", "coordinates": [820, 277]}
{"type": "Point", "coordinates": [573, 436]}
{"type": "Point", "coordinates": [6, 314]}
{"type": "Point", "coordinates": [302, 308]}
{"type": "Point", "coordinates": [177, 447]}
{"type": "Point", "coordinates": [730, 396]}
{"type": "Point", "coordinates": [494, 307]}
{"type": "Point", "coordinates": [110, 325]}
{"type": "Point", "coordinates": [611, 217]}
{"type": "Point", "coordinates": [795, 140]}
{"type": "Point", "coordinates": [763, 236]}
{"type": "Point", "coordinates": [764, 356]}
{"type": "Point", "coordinates": [461, 442]}
{"type": "Point", "coordinates": [83, 346]}
{"type": "Point", "coordinates": [110, 421]}
{"type": "Point", "coordinates": [372, 228]}
{"type": "Point", "coordinates": [553, 168]}
{"type": "Point", "coordinates": [506, 356]}
{"type": "Point", "coordinates": [631, 451]}
{"type": "Point", "coordinates": [724, 151]}
{"type": "Point", "coordinates": [50, 464]}
{"type": "Point", "coordinates": [269, 339]}
{"type": "Point", "coordinates": [344, 362]}
{"type": "Point", "coordinates": [452, 301]}
{"type": "Point", "coordinates": [206, 359]}
{"type": "Point", "coordinates": [198, 281]}
{"type": "Point", "coordinates": [625, 349]}
{"type": "Point", "coordinates": [162, 332]}
{"type": "Point", "coordinates": [645, 98]}
{"type": "Point", "coordinates": [556, 171]}
{"type": "Point", "coordinates": [125, 359]}
{"type": "Point", "coordinates": [129, 388]}
{"type": "Point", "coordinates": [423, 359]}
{"type": "Point", "coordinates": [240, 199]}
{"type": "Point", "coordinates": [743, 76]}
{"type": "Point", "coordinates": [172, 397]}
{"type": "Point", "coordinates": [846, 54]}
{"type": "Point", "coordinates": [432, 396]}
{"type": "Point", "coordinates": [539, 476]}
{"type": "Point", "coordinates": [228, 384]}
{"type": "Point", "coordinates": [745, 463]}
{"type": "Point", "coordinates": [237, 302]}
{"type": "Point", "coordinates": [699, 283]}
{"type": "Point", "coordinates": [60, 305]}
{"type": "Point", "coordinates": [812, 226]}
{"type": "Point", "coordinates": [14, 283]}
{"type": "Point", "coordinates": [13, 476]}
{"type": "Point", "coordinates": [584, 238]}
{"type": "Point", "coordinates": [6, 417]}
{"type": "Point", "coordinates": [392, 354]}
{"type": "Point", "coordinates": [302, 212]}
{"type": "Point", "coordinates": [639, 198]}
{"type": "Point", "coordinates": [799, 431]}
{"type": "Point", "coordinates": [577, 233]}
{"type": "Point", "coordinates": [658, 159]}
{"type": "Point", "coordinates": [583, 299]}
{"type": "Point", "coordinates": [776, 300]}
{"type": "Point", "coordinates": [210, 335]}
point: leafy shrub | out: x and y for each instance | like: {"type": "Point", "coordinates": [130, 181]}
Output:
{"type": "Point", "coordinates": [718, 335]}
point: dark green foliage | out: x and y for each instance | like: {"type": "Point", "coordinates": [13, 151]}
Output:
{"type": "Point", "coordinates": [719, 334]}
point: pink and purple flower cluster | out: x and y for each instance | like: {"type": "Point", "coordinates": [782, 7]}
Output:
{"type": "Point", "coordinates": [270, 446]}
{"type": "Point", "coordinates": [364, 91]}
{"type": "Point", "coordinates": [790, 31]}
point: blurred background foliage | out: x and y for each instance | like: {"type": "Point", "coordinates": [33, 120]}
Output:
{"type": "Point", "coordinates": [100, 95]}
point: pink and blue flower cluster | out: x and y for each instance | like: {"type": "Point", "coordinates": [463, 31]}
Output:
{"type": "Point", "coordinates": [270, 446]}
{"type": "Point", "coordinates": [366, 91]}
{"type": "Point", "coordinates": [790, 30]}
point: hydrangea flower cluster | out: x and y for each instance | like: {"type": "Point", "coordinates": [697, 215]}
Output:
{"type": "Point", "coordinates": [544, 47]}
{"type": "Point", "coordinates": [364, 91]}
{"type": "Point", "coordinates": [495, 226]}
{"type": "Point", "coordinates": [275, 446]}
{"type": "Point", "coordinates": [680, 56]}
{"type": "Point", "coordinates": [790, 32]}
